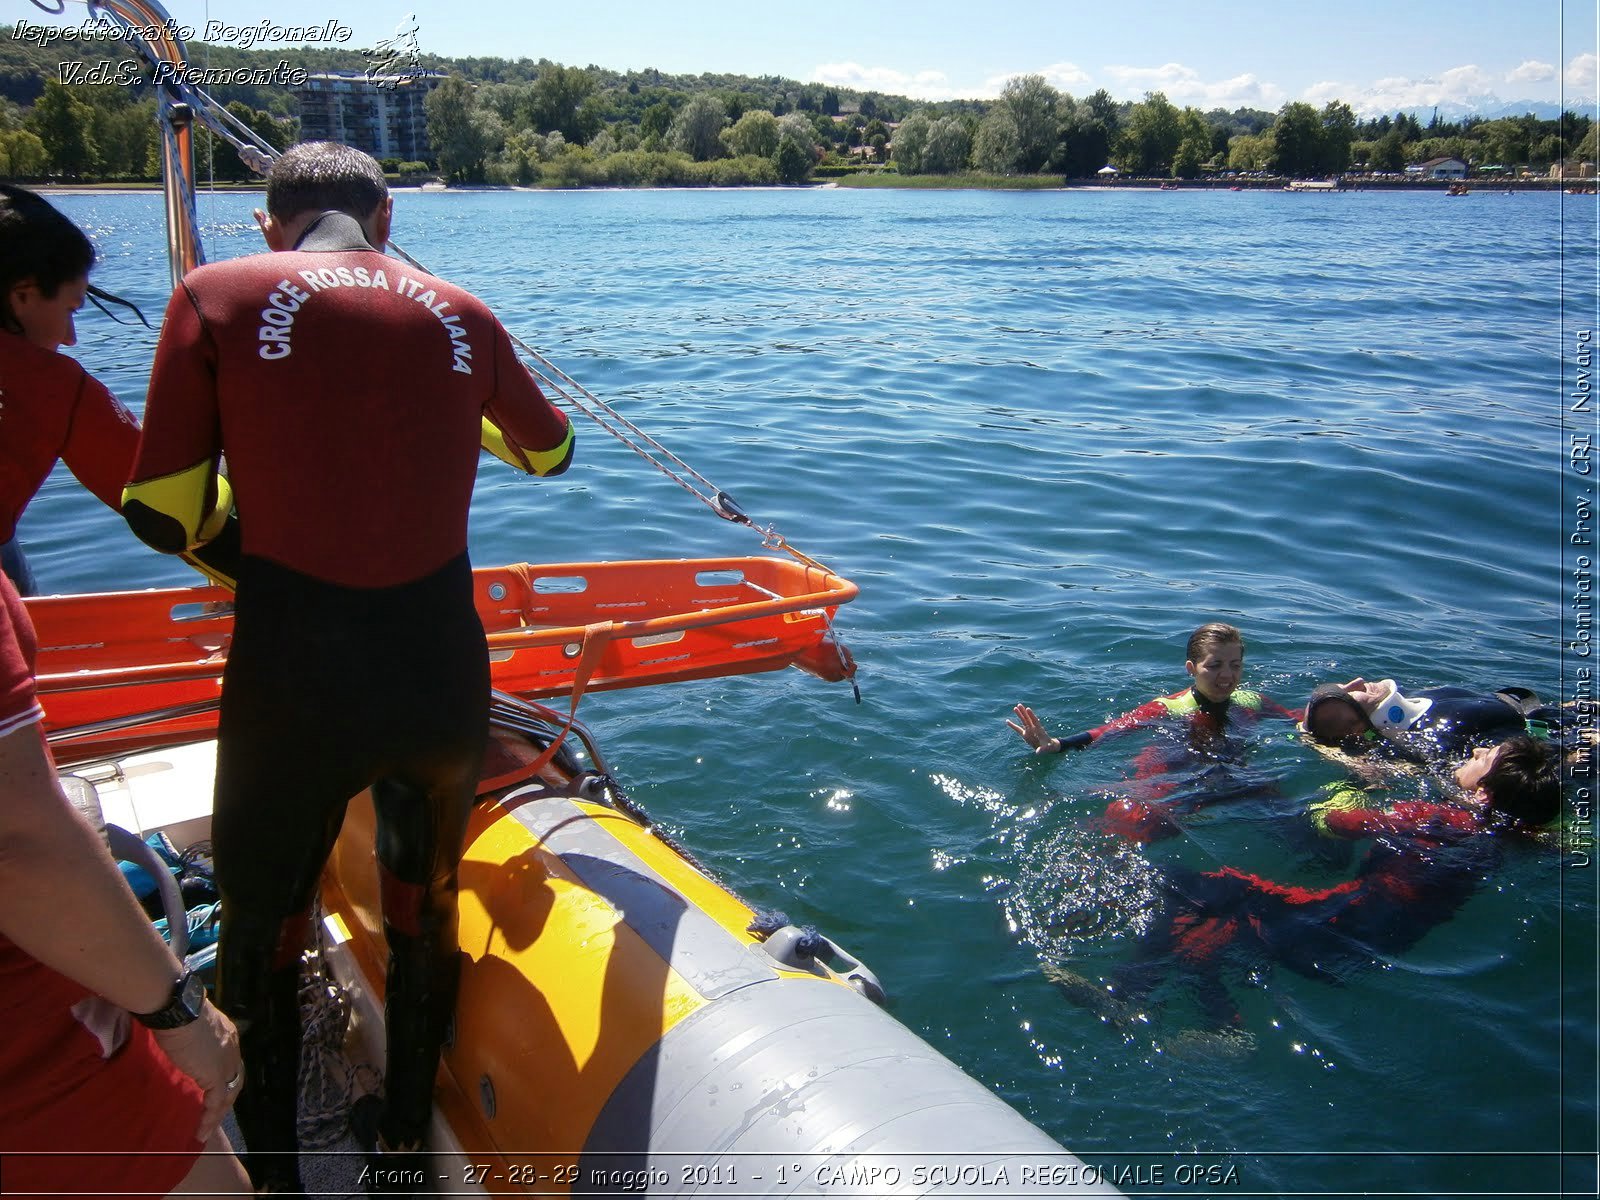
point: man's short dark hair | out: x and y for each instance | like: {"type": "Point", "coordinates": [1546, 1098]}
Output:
{"type": "Point", "coordinates": [318, 176]}
{"type": "Point", "coordinates": [1525, 781]}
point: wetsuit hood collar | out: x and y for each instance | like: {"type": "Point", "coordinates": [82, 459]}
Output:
{"type": "Point", "coordinates": [334, 230]}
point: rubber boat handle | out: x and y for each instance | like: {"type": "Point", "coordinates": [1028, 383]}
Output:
{"type": "Point", "coordinates": [798, 949]}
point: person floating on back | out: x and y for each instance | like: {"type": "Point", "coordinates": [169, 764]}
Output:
{"type": "Point", "coordinates": [1426, 725]}
{"type": "Point", "coordinates": [1425, 861]}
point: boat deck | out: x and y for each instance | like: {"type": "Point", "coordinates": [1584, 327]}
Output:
{"type": "Point", "coordinates": [169, 791]}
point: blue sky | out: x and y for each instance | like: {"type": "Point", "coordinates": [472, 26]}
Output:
{"type": "Point", "coordinates": [1376, 56]}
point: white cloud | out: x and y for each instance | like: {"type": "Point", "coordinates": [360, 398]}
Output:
{"type": "Point", "coordinates": [1532, 71]}
{"type": "Point", "coordinates": [921, 85]}
{"type": "Point", "coordinates": [1581, 72]}
{"type": "Point", "coordinates": [1461, 82]}
{"type": "Point", "coordinates": [1068, 77]}
{"type": "Point", "coordinates": [1168, 78]}
{"type": "Point", "coordinates": [1469, 86]}
{"type": "Point", "coordinates": [1184, 86]}
{"type": "Point", "coordinates": [1243, 91]}
{"type": "Point", "coordinates": [1328, 91]}
{"type": "Point", "coordinates": [1063, 76]}
{"type": "Point", "coordinates": [936, 85]}
{"type": "Point", "coordinates": [989, 89]}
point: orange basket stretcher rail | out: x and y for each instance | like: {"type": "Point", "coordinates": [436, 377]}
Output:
{"type": "Point", "coordinates": [107, 659]}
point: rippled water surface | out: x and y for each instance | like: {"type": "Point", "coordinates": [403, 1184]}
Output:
{"type": "Point", "coordinates": [1048, 434]}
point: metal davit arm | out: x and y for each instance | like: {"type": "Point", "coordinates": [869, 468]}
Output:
{"type": "Point", "coordinates": [184, 104]}
{"type": "Point", "coordinates": [181, 105]}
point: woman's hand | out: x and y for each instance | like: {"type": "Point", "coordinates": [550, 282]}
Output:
{"type": "Point", "coordinates": [207, 1050]}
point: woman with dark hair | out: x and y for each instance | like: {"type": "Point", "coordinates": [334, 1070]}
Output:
{"type": "Point", "coordinates": [51, 409]}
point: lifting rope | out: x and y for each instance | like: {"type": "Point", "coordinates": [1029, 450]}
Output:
{"type": "Point", "coordinates": [182, 102]}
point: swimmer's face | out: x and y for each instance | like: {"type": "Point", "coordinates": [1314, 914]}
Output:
{"type": "Point", "coordinates": [47, 321]}
{"type": "Point", "coordinates": [1333, 721]}
{"type": "Point", "coordinates": [1470, 774]}
{"type": "Point", "coordinates": [1218, 672]}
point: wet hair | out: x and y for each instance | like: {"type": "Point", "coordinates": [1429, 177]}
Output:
{"type": "Point", "coordinates": [318, 176]}
{"type": "Point", "coordinates": [1325, 699]}
{"type": "Point", "coordinates": [37, 242]}
{"type": "Point", "coordinates": [1209, 636]}
{"type": "Point", "coordinates": [1525, 781]}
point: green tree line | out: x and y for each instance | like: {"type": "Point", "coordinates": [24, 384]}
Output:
{"type": "Point", "coordinates": [98, 133]}
{"type": "Point", "coordinates": [518, 120]}
{"type": "Point", "coordinates": [525, 121]}
{"type": "Point", "coordinates": [1033, 128]}
{"type": "Point", "coordinates": [552, 131]}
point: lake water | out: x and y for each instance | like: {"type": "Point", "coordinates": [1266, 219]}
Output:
{"type": "Point", "coordinates": [1048, 434]}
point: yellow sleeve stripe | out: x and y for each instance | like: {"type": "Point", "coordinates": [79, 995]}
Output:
{"type": "Point", "coordinates": [180, 498]}
{"type": "Point", "coordinates": [218, 516]}
{"type": "Point", "coordinates": [1342, 799]}
{"type": "Point", "coordinates": [533, 462]}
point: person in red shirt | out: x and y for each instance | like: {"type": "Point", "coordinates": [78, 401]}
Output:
{"type": "Point", "coordinates": [91, 1102]}
{"type": "Point", "coordinates": [350, 393]}
{"type": "Point", "coordinates": [51, 409]}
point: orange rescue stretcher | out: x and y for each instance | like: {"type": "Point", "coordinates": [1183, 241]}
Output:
{"type": "Point", "coordinates": [153, 659]}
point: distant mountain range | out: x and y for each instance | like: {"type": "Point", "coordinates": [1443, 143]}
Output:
{"type": "Point", "coordinates": [1487, 108]}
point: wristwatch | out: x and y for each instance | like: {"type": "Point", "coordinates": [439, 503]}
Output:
{"type": "Point", "coordinates": [183, 1006]}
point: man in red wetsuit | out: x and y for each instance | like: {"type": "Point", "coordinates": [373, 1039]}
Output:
{"type": "Point", "coordinates": [92, 1103]}
{"type": "Point", "coordinates": [350, 393]}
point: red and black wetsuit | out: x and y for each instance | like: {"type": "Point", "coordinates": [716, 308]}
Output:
{"type": "Point", "coordinates": [1146, 817]}
{"type": "Point", "coordinates": [350, 393]}
{"type": "Point", "coordinates": [1425, 863]}
{"type": "Point", "coordinates": [1205, 716]}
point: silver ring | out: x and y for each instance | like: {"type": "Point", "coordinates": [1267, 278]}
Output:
{"type": "Point", "coordinates": [234, 1082]}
